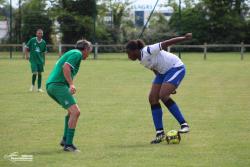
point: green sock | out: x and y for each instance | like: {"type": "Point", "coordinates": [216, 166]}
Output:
{"type": "Point", "coordinates": [66, 123]}
{"type": "Point", "coordinates": [33, 79]}
{"type": "Point", "coordinates": [70, 136]}
{"type": "Point", "coordinates": [39, 81]}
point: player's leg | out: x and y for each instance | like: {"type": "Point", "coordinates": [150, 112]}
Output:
{"type": "Point", "coordinates": [66, 126]}
{"type": "Point", "coordinates": [156, 109]}
{"type": "Point", "coordinates": [171, 82]}
{"type": "Point", "coordinates": [34, 76]}
{"type": "Point", "coordinates": [33, 81]}
{"type": "Point", "coordinates": [69, 103]}
{"type": "Point", "coordinates": [74, 113]}
{"type": "Point", "coordinates": [60, 93]}
{"type": "Point", "coordinates": [39, 80]}
{"type": "Point", "coordinates": [166, 90]}
{"type": "Point", "coordinates": [51, 92]}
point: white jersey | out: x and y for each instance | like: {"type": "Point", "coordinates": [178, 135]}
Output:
{"type": "Point", "coordinates": [154, 58]}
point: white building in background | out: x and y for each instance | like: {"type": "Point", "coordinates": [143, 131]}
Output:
{"type": "Point", "coordinates": [3, 29]}
{"type": "Point", "coordinates": [141, 9]}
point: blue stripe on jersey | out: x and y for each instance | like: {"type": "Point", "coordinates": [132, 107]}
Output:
{"type": "Point", "coordinates": [160, 46]}
{"type": "Point", "coordinates": [148, 50]}
{"type": "Point", "coordinates": [141, 54]}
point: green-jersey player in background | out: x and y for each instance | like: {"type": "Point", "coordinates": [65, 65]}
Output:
{"type": "Point", "coordinates": [35, 53]}
{"type": "Point", "coordinates": [60, 87]}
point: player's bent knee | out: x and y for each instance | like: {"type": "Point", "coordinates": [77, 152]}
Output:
{"type": "Point", "coordinates": [153, 99]}
{"type": "Point", "coordinates": [74, 110]}
{"type": "Point", "coordinates": [75, 114]}
{"type": "Point", "coordinates": [78, 113]}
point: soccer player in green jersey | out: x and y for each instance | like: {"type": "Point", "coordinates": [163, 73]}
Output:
{"type": "Point", "coordinates": [60, 87]}
{"type": "Point", "coordinates": [35, 53]}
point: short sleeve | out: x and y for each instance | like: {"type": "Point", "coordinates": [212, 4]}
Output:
{"type": "Point", "coordinates": [74, 59]}
{"type": "Point", "coordinates": [154, 49]}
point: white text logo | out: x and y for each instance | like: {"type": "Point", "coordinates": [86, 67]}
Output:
{"type": "Point", "coordinates": [15, 157]}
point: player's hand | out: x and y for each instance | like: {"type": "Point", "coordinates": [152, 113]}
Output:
{"type": "Point", "coordinates": [188, 35]}
{"type": "Point", "coordinates": [72, 89]}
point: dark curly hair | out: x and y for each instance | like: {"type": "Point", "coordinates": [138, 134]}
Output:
{"type": "Point", "coordinates": [135, 44]}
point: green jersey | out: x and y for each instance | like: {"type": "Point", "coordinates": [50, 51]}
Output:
{"type": "Point", "coordinates": [37, 50]}
{"type": "Point", "coordinates": [73, 58]}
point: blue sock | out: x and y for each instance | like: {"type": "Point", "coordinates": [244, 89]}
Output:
{"type": "Point", "coordinates": [157, 116]}
{"type": "Point", "coordinates": [175, 111]}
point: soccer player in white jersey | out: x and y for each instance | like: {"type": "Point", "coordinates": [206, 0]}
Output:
{"type": "Point", "coordinates": [169, 71]}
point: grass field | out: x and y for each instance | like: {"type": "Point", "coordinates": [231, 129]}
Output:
{"type": "Point", "coordinates": [115, 125]}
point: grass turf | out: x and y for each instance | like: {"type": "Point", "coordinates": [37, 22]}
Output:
{"type": "Point", "coordinates": [115, 125]}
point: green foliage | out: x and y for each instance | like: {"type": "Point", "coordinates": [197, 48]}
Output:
{"type": "Point", "coordinates": [189, 3]}
{"type": "Point", "coordinates": [213, 21]}
{"type": "Point", "coordinates": [192, 20]}
{"type": "Point", "coordinates": [76, 19]}
{"type": "Point", "coordinates": [159, 27]}
{"type": "Point", "coordinates": [173, 4]}
{"type": "Point", "coordinates": [2, 18]}
{"type": "Point", "coordinates": [129, 30]}
{"type": "Point", "coordinates": [103, 30]}
{"type": "Point", "coordinates": [35, 16]}
{"type": "Point", "coordinates": [118, 11]}
{"type": "Point", "coordinates": [247, 31]}
{"type": "Point", "coordinates": [80, 7]}
{"type": "Point", "coordinates": [74, 28]}
{"type": "Point", "coordinates": [2, 3]}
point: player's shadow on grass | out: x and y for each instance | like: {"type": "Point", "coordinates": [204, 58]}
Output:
{"type": "Point", "coordinates": [23, 92]}
{"type": "Point", "coordinates": [46, 152]}
{"type": "Point", "coordinates": [133, 146]}
{"type": "Point", "coordinates": [16, 93]}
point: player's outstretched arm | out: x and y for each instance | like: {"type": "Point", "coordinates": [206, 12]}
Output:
{"type": "Point", "coordinates": [172, 41]}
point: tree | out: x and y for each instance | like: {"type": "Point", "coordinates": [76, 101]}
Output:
{"type": "Point", "coordinates": [159, 27]}
{"type": "Point", "coordinates": [226, 20]}
{"type": "Point", "coordinates": [192, 20]}
{"type": "Point", "coordinates": [76, 19]}
{"type": "Point", "coordinates": [214, 21]}
{"type": "Point", "coordinates": [118, 11]}
{"type": "Point", "coordinates": [35, 16]}
{"type": "Point", "coordinates": [2, 3]}
{"type": "Point", "coordinates": [4, 9]}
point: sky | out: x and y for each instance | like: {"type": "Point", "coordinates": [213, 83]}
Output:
{"type": "Point", "coordinates": [15, 2]}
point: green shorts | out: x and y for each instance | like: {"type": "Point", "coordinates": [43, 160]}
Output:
{"type": "Point", "coordinates": [61, 94]}
{"type": "Point", "coordinates": [36, 67]}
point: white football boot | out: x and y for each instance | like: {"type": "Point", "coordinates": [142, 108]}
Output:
{"type": "Point", "coordinates": [40, 90]}
{"type": "Point", "coordinates": [184, 128]}
{"type": "Point", "coordinates": [32, 88]}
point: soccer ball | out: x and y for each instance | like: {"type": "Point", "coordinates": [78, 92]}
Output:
{"type": "Point", "coordinates": [173, 137]}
